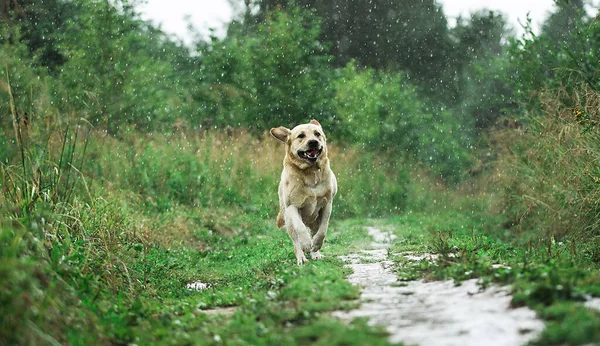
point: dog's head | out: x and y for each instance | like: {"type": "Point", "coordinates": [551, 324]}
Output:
{"type": "Point", "coordinates": [306, 144]}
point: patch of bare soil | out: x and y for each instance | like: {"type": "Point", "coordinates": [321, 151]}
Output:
{"type": "Point", "coordinates": [434, 313]}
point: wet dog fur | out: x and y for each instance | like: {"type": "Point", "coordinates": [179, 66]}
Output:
{"type": "Point", "coordinates": [306, 188]}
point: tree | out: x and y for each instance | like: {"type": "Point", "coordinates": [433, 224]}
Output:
{"type": "Point", "coordinates": [481, 45]}
{"type": "Point", "coordinates": [39, 22]}
{"type": "Point", "coordinates": [277, 74]}
{"type": "Point", "coordinates": [396, 34]}
{"type": "Point", "coordinates": [556, 60]}
{"type": "Point", "coordinates": [120, 70]}
{"type": "Point", "coordinates": [568, 16]}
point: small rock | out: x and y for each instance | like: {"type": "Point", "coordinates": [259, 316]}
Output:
{"type": "Point", "coordinates": [197, 286]}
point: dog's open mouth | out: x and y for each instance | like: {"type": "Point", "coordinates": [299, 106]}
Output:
{"type": "Point", "coordinates": [310, 155]}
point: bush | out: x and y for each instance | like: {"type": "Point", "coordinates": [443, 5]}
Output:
{"type": "Point", "coordinates": [383, 112]}
{"type": "Point", "coordinates": [541, 62]}
{"type": "Point", "coordinates": [548, 175]}
{"type": "Point", "coordinates": [28, 83]}
{"type": "Point", "coordinates": [369, 184]}
{"type": "Point", "coordinates": [275, 74]}
{"type": "Point", "coordinates": [115, 77]}
{"type": "Point", "coordinates": [60, 248]}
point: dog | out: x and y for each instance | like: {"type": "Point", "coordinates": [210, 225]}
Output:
{"type": "Point", "coordinates": [306, 188]}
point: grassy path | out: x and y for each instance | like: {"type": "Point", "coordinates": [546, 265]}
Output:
{"type": "Point", "coordinates": [250, 272]}
{"type": "Point", "coordinates": [274, 301]}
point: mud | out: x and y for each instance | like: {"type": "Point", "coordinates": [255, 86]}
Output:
{"type": "Point", "coordinates": [434, 313]}
{"type": "Point", "coordinates": [227, 311]}
{"type": "Point", "coordinates": [592, 303]}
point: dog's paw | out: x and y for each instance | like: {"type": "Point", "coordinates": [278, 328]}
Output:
{"type": "Point", "coordinates": [316, 255]}
{"type": "Point", "coordinates": [305, 242]}
{"type": "Point", "coordinates": [301, 259]}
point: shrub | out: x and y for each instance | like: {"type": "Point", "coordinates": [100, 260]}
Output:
{"type": "Point", "coordinates": [275, 74]}
{"type": "Point", "coordinates": [113, 76]}
{"type": "Point", "coordinates": [541, 62]}
{"type": "Point", "coordinates": [382, 112]}
{"type": "Point", "coordinates": [549, 174]}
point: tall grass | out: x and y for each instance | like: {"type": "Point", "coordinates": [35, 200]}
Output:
{"type": "Point", "coordinates": [60, 247]}
{"type": "Point", "coordinates": [235, 170]}
{"type": "Point", "coordinates": [551, 175]}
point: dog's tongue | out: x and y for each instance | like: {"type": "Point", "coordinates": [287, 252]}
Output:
{"type": "Point", "coordinates": [312, 153]}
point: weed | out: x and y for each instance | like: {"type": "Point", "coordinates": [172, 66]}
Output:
{"type": "Point", "coordinates": [440, 242]}
{"type": "Point", "coordinates": [569, 323]}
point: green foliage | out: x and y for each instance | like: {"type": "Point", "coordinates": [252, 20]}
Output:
{"type": "Point", "coordinates": [38, 21]}
{"type": "Point", "coordinates": [104, 224]}
{"type": "Point", "coordinates": [112, 72]}
{"type": "Point", "coordinates": [570, 323]}
{"type": "Point", "coordinates": [27, 81]}
{"type": "Point", "coordinates": [381, 111]}
{"type": "Point", "coordinates": [220, 170]}
{"type": "Point", "coordinates": [378, 109]}
{"type": "Point", "coordinates": [480, 61]}
{"type": "Point", "coordinates": [276, 74]}
{"type": "Point", "coordinates": [380, 33]}
{"type": "Point", "coordinates": [540, 62]}
{"type": "Point", "coordinates": [368, 185]}
{"type": "Point", "coordinates": [93, 262]}
{"type": "Point", "coordinates": [33, 295]}
{"type": "Point", "coordinates": [213, 171]}
{"type": "Point", "coordinates": [551, 182]}
{"type": "Point", "coordinates": [413, 38]}
{"type": "Point", "coordinates": [568, 17]}
{"type": "Point", "coordinates": [121, 74]}
{"type": "Point", "coordinates": [548, 182]}
{"type": "Point", "coordinates": [99, 278]}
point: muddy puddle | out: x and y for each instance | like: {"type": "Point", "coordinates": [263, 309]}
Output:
{"type": "Point", "coordinates": [434, 313]}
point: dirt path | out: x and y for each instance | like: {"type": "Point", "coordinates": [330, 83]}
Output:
{"type": "Point", "coordinates": [434, 313]}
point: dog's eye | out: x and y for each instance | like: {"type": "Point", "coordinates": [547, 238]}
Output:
{"type": "Point", "coordinates": [318, 134]}
{"type": "Point", "coordinates": [302, 135]}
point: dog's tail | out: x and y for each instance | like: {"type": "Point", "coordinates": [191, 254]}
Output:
{"type": "Point", "coordinates": [280, 220]}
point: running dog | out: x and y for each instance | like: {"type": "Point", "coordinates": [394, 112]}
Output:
{"type": "Point", "coordinates": [306, 189]}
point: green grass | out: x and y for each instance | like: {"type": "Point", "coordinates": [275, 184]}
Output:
{"type": "Point", "coordinates": [276, 301]}
{"type": "Point", "coordinates": [141, 295]}
{"type": "Point", "coordinates": [114, 271]}
{"type": "Point", "coordinates": [100, 249]}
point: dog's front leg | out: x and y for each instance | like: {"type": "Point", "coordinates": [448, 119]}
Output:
{"type": "Point", "coordinates": [317, 240]}
{"type": "Point", "coordinates": [298, 233]}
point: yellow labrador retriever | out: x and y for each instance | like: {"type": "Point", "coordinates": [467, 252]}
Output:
{"type": "Point", "coordinates": [306, 189]}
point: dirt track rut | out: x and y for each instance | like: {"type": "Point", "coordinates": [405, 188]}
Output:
{"type": "Point", "coordinates": [437, 313]}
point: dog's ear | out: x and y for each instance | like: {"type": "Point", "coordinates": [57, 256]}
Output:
{"type": "Point", "coordinates": [314, 122]}
{"type": "Point", "coordinates": [281, 133]}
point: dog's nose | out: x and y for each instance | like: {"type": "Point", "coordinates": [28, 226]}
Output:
{"type": "Point", "coordinates": [313, 143]}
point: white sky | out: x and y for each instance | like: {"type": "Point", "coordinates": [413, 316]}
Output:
{"type": "Point", "coordinates": [204, 14]}
{"type": "Point", "coordinates": [515, 10]}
